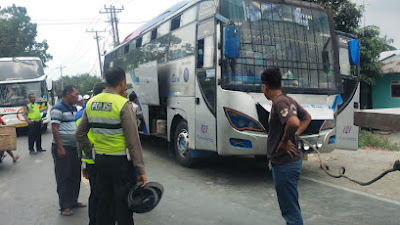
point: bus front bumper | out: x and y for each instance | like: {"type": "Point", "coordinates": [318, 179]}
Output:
{"type": "Point", "coordinates": [255, 143]}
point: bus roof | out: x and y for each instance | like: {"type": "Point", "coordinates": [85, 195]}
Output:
{"type": "Point", "coordinates": [18, 58]}
{"type": "Point", "coordinates": [156, 20]}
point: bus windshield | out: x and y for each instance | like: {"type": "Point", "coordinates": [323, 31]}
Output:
{"type": "Point", "coordinates": [17, 94]}
{"type": "Point", "coordinates": [295, 39]}
{"type": "Point", "coordinates": [18, 69]}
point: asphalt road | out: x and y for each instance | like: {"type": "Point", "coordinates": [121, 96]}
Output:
{"type": "Point", "coordinates": [223, 191]}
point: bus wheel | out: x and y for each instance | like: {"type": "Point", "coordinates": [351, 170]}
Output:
{"type": "Point", "coordinates": [181, 144]}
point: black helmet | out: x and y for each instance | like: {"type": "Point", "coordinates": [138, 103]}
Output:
{"type": "Point", "coordinates": [144, 199]}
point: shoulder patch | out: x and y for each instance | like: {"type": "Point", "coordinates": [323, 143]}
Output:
{"type": "Point", "coordinates": [294, 109]}
{"type": "Point", "coordinates": [284, 112]}
{"type": "Point", "coordinates": [102, 106]}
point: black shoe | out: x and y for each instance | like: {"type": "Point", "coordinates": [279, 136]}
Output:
{"type": "Point", "coordinates": [41, 150]}
{"type": "Point", "coordinates": [32, 152]}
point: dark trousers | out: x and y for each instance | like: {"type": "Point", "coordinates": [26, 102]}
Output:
{"type": "Point", "coordinates": [286, 177]}
{"type": "Point", "coordinates": [91, 169]}
{"type": "Point", "coordinates": [68, 176]}
{"type": "Point", "coordinates": [115, 176]}
{"type": "Point", "coordinates": [35, 135]}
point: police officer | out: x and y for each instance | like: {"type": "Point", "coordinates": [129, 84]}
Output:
{"type": "Point", "coordinates": [35, 123]}
{"type": "Point", "coordinates": [118, 160]}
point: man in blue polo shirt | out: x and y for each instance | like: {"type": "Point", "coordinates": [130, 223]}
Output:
{"type": "Point", "coordinates": [65, 154]}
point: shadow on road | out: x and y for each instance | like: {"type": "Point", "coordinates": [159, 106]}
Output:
{"type": "Point", "coordinates": [233, 168]}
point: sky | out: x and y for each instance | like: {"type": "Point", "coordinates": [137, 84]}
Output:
{"type": "Point", "coordinates": [64, 24]}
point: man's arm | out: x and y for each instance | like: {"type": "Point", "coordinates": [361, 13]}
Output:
{"type": "Point", "coordinates": [133, 144]}
{"type": "Point", "coordinates": [82, 138]}
{"type": "Point", "coordinates": [56, 134]}
{"type": "Point", "coordinates": [25, 115]}
{"type": "Point", "coordinates": [304, 122]}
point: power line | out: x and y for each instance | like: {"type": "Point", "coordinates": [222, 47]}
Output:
{"type": "Point", "coordinates": [114, 21]}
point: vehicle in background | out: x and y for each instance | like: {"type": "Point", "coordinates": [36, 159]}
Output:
{"type": "Point", "coordinates": [20, 76]}
{"type": "Point", "coordinates": [196, 70]}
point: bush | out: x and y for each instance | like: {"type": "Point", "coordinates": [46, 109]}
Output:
{"type": "Point", "coordinates": [368, 139]}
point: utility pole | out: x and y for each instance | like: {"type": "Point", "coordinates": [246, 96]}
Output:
{"type": "Point", "coordinates": [97, 37]}
{"type": "Point", "coordinates": [114, 21]}
{"type": "Point", "coordinates": [61, 78]}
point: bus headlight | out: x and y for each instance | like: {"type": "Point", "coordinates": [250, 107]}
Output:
{"type": "Point", "coordinates": [242, 122]}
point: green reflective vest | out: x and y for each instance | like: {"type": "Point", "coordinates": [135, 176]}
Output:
{"type": "Point", "coordinates": [34, 112]}
{"type": "Point", "coordinates": [104, 115]}
{"type": "Point", "coordinates": [90, 136]}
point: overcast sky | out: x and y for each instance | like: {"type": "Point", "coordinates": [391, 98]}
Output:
{"type": "Point", "coordinates": [64, 23]}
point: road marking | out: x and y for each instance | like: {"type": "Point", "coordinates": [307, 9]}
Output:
{"type": "Point", "coordinates": [353, 191]}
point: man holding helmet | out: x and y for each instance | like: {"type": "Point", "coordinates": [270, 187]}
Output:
{"type": "Point", "coordinates": [114, 129]}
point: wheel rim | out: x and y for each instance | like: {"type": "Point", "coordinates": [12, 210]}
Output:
{"type": "Point", "coordinates": [182, 143]}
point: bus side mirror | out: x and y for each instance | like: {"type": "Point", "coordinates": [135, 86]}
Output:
{"type": "Point", "coordinates": [232, 42]}
{"type": "Point", "coordinates": [354, 52]}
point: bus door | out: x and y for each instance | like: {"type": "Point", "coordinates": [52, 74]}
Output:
{"type": "Point", "coordinates": [346, 131]}
{"type": "Point", "coordinates": [206, 88]}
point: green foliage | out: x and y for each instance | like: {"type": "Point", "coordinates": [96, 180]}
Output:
{"type": "Point", "coordinates": [83, 82]}
{"type": "Point", "coordinates": [367, 139]}
{"type": "Point", "coordinates": [17, 36]}
{"type": "Point", "coordinates": [371, 46]}
{"type": "Point", "coordinates": [346, 14]}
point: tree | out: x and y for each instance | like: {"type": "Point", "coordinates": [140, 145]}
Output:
{"type": "Point", "coordinates": [83, 82]}
{"type": "Point", "coordinates": [18, 33]}
{"type": "Point", "coordinates": [347, 15]}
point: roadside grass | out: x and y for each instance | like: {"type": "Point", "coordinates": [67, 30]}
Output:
{"type": "Point", "coordinates": [369, 140]}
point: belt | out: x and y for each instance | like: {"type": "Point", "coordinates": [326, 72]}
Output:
{"type": "Point", "coordinates": [112, 154]}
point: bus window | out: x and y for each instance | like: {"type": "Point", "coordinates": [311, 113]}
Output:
{"type": "Point", "coordinates": [182, 42]}
{"type": "Point", "coordinates": [175, 23]}
{"type": "Point", "coordinates": [200, 53]}
{"type": "Point", "coordinates": [153, 34]}
{"type": "Point", "coordinates": [345, 68]}
{"type": "Point", "coordinates": [139, 42]}
{"type": "Point", "coordinates": [126, 48]}
{"type": "Point", "coordinates": [163, 30]}
{"type": "Point", "coordinates": [132, 45]}
{"type": "Point", "coordinates": [205, 29]}
{"type": "Point", "coordinates": [146, 38]}
{"type": "Point", "coordinates": [208, 52]}
{"type": "Point", "coordinates": [189, 16]}
{"type": "Point", "coordinates": [206, 10]}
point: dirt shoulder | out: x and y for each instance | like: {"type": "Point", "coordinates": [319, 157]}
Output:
{"type": "Point", "coordinates": [362, 165]}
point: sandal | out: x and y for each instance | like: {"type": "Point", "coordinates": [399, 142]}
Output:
{"type": "Point", "coordinates": [79, 205]}
{"type": "Point", "coordinates": [67, 212]}
{"type": "Point", "coordinates": [15, 158]}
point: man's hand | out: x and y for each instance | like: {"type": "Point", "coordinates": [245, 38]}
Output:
{"type": "Point", "coordinates": [85, 173]}
{"type": "Point", "coordinates": [288, 147]}
{"type": "Point", "coordinates": [142, 178]}
{"type": "Point", "coordinates": [61, 152]}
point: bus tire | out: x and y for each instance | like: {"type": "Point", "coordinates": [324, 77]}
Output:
{"type": "Point", "coordinates": [180, 145]}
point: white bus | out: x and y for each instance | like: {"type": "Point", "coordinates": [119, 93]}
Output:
{"type": "Point", "coordinates": [20, 76]}
{"type": "Point", "coordinates": [196, 70]}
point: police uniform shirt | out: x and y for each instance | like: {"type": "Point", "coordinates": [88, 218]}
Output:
{"type": "Point", "coordinates": [129, 126]}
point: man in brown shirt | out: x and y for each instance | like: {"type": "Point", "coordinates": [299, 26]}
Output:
{"type": "Point", "coordinates": [116, 172]}
{"type": "Point", "coordinates": [287, 120]}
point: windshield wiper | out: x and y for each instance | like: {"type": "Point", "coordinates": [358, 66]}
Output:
{"type": "Point", "coordinates": [23, 62]}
